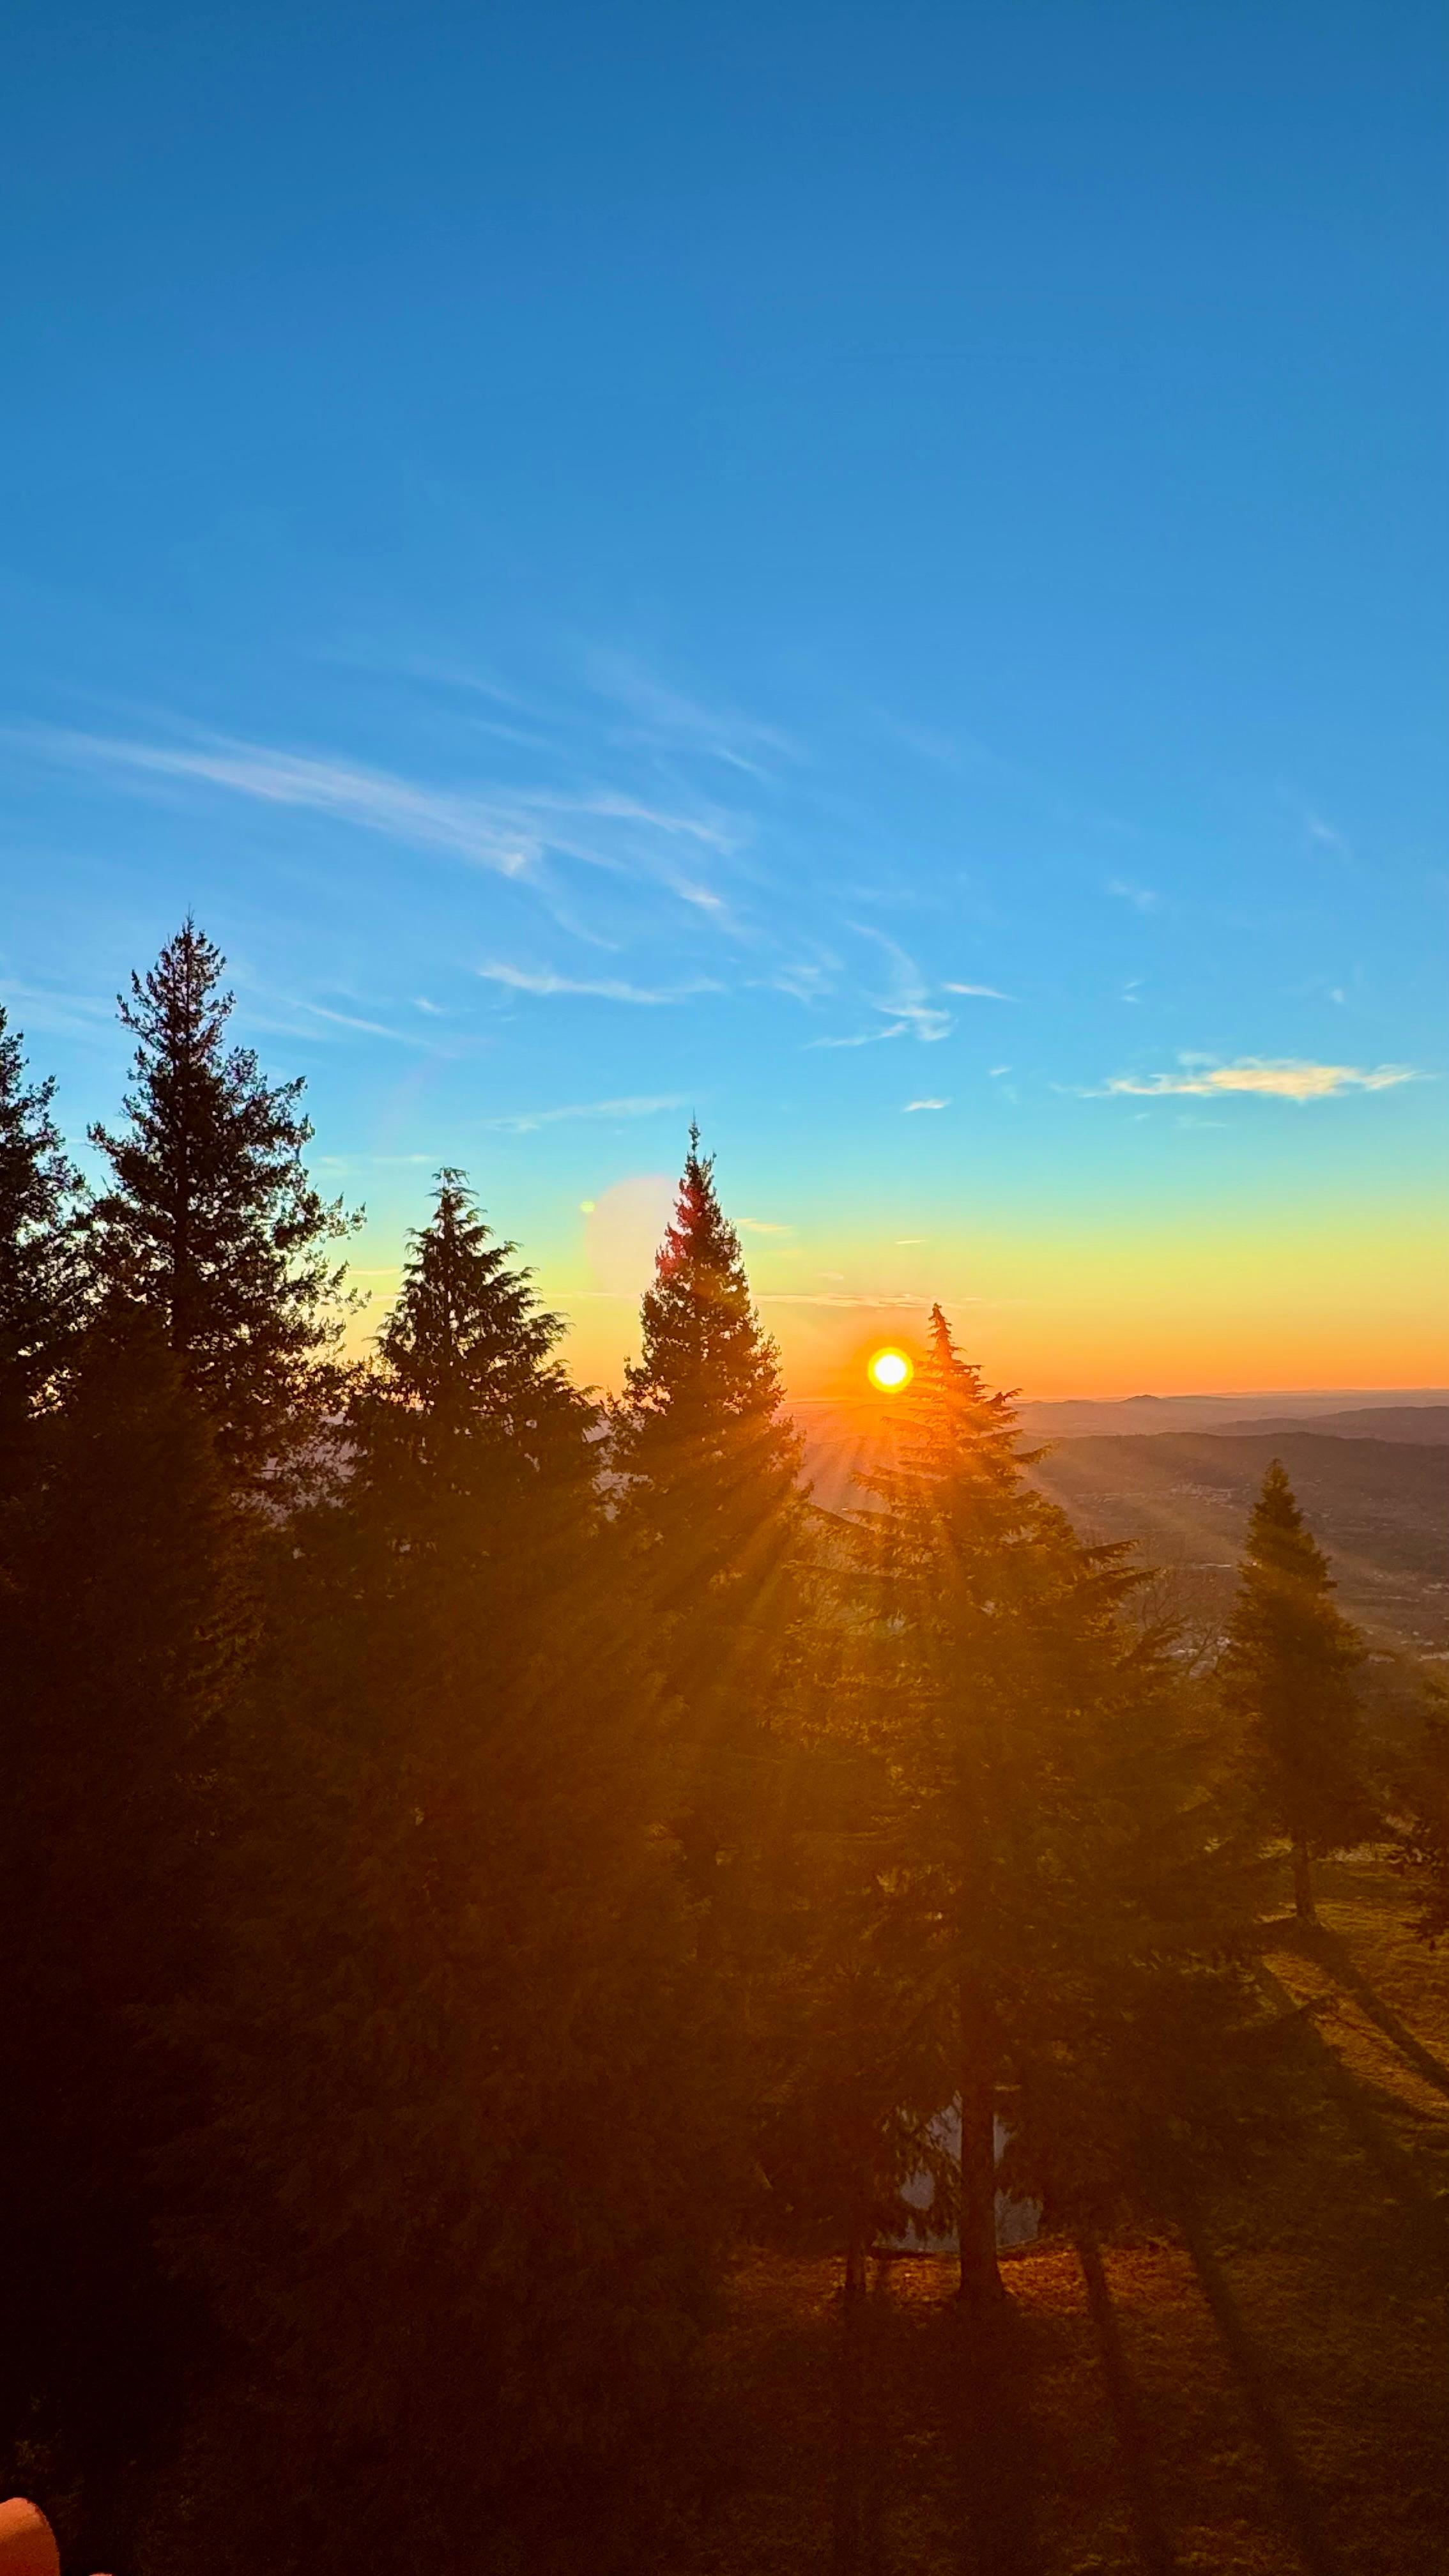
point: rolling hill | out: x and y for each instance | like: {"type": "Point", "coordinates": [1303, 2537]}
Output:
{"type": "Point", "coordinates": [1379, 1506]}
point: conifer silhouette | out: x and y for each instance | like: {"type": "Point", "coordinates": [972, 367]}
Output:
{"type": "Point", "coordinates": [120, 1649]}
{"type": "Point", "coordinates": [1056, 1864]}
{"type": "Point", "coordinates": [463, 2183]}
{"type": "Point", "coordinates": [425, 1901]}
{"type": "Point", "coordinates": [710, 1459]}
{"type": "Point", "coordinates": [466, 1355]}
{"type": "Point", "coordinates": [711, 1507]}
{"type": "Point", "coordinates": [41, 1286]}
{"type": "Point", "coordinates": [1288, 1675]}
{"type": "Point", "coordinates": [210, 1220]}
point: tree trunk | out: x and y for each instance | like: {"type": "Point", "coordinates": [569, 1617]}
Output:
{"type": "Point", "coordinates": [1303, 1885]}
{"type": "Point", "coordinates": [980, 2278]}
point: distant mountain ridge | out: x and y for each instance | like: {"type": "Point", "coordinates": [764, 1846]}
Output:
{"type": "Point", "coordinates": [1306, 1409]}
{"type": "Point", "coordinates": [1425, 1425]}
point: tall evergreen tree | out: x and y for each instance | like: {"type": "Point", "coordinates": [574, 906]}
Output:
{"type": "Point", "coordinates": [40, 1278]}
{"type": "Point", "coordinates": [1050, 1858]}
{"type": "Point", "coordinates": [458, 2200]}
{"type": "Point", "coordinates": [211, 1221]}
{"type": "Point", "coordinates": [1288, 1676]}
{"type": "Point", "coordinates": [467, 1378]}
{"type": "Point", "coordinates": [710, 1459]}
{"type": "Point", "coordinates": [119, 1651]}
{"type": "Point", "coordinates": [711, 1505]}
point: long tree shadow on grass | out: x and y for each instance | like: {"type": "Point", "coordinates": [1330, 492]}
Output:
{"type": "Point", "coordinates": [1329, 1951]}
{"type": "Point", "coordinates": [1396, 2164]}
{"type": "Point", "coordinates": [1298, 2504]}
{"type": "Point", "coordinates": [1129, 2420]}
{"type": "Point", "coordinates": [1367, 2260]}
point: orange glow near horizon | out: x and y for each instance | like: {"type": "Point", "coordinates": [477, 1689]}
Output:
{"type": "Point", "coordinates": [890, 1370]}
{"type": "Point", "coordinates": [1216, 1299]}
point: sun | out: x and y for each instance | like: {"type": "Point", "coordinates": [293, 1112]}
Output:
{"type": "Point", "coordinates": [889, 1370]}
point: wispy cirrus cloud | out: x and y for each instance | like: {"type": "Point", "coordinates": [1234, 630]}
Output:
{"type": "Point", "coordinates": [865, 1037]}
{"type": "Point", "coordinates": [46, 1007]}
{"type": "Point", "coordinates": [808, 982]}
{"type": "Point", "coordinates": [667, 719]}
{"type": "Point", "coordinates": [924, 1104]}
{"type": "Point", "coordinates": [509, 830]}
{"type": "Point", "coordinates": [909, 995]}
{"type": "Point", "coordinates": [522, 1122]}
{"type": "Point", "coordinates": [1326, 835]}
{"type": "Point", "coordinates": [611, 805]}
{"type": "Point", "coordinates": [376, 800]}
{"type": "Point", "coordinates": [1141, 898]}
{"type": "Point", "coordinates": [979, 992]}
{"type": "Point", "coordinates": [368, 1028]}
{"type": "Point", "coordinates": [906, 1006]}
{"type": "Point", "coordinates": [1272, 1078]}
{"type": "Point", "coordinates": [603, 988]}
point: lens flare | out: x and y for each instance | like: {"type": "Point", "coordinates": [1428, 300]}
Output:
{"type": "Point", "coordinates": [889, 1370]}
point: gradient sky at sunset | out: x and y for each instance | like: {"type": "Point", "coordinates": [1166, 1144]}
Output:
{"type": "Point", "coordinates": [873, 573]}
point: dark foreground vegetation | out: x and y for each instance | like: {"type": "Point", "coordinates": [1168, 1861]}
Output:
{"type": "Point", "coordinates": [1265, 2396]}
{"type": "Point", "coordinates": [497, 1892]}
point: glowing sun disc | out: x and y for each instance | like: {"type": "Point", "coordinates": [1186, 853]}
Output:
{"type": "Point", "coordinates": [890, 1371]}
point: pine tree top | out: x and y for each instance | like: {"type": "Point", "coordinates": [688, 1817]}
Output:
{"type": "Point", "coordinates": [1280, 1545]}
{"type": "Point", "coordinates": [211, 1221]}
{"type": "Point", "coordinates": [708, 1458]}
{"type": "Point", "coordinates": [703, 1346]}
{"type": "Point", "coordinates": [951, 1426]}
{"type": "Point", "coordinates": [41, 1298]}
{"type": "Point", "coordinates": [1287, 1672]}
{"type": "Point", "coordinates": [467, 1347]}
{"type": "Point", "coordinates": [955, 1394]}
{"type": "Point", "coordinates": [955, 1523]}
{"type": "Point", "coordinates": [1285, 1622]}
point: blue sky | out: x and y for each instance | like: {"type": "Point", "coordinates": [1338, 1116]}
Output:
{"type": "Point", "coordinates": [877, 574]}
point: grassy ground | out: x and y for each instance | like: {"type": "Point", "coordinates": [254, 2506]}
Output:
{"type": "Point", "coordinates": [1273, 2398]}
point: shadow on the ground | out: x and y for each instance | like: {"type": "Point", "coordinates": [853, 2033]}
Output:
{"type": "Point", "coordinates": [1397, 2166]}
{"type": "Point", "coordinates": [998, 2453]}
{"type": "Point", "coordinates": [1135, 2445]}
{"type": "Point", "coordinates": [1329, 1951]}
{"type": "Point", "coordinates": [1299, 2507]}
{"type": "Point", "coordinates": [978, 2366]}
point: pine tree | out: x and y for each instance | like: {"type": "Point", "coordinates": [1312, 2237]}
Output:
{"type": "Point", "coordinates": [701, 1437]}
{"type": "Point", "coordinates": [40, 1280]}
{"type": "Point", "coordinates": [120, 1647]}
{"type": "Point", "coordinates": [711, 1505]}
{"type": "Point", "coordinates": [458, 2202]}
{"type": "Point", "coordinates": [467, 1377]}
{"type": "Point", "coordinates": [1288, 1676]}
{"type": "Point", "coordinates": [1054, 1860]}
{"type": "Point", "coordinates": [211, 1222]}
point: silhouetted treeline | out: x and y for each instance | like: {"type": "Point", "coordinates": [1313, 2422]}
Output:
{"type": "Point", "coordinates": [472, 1855]}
